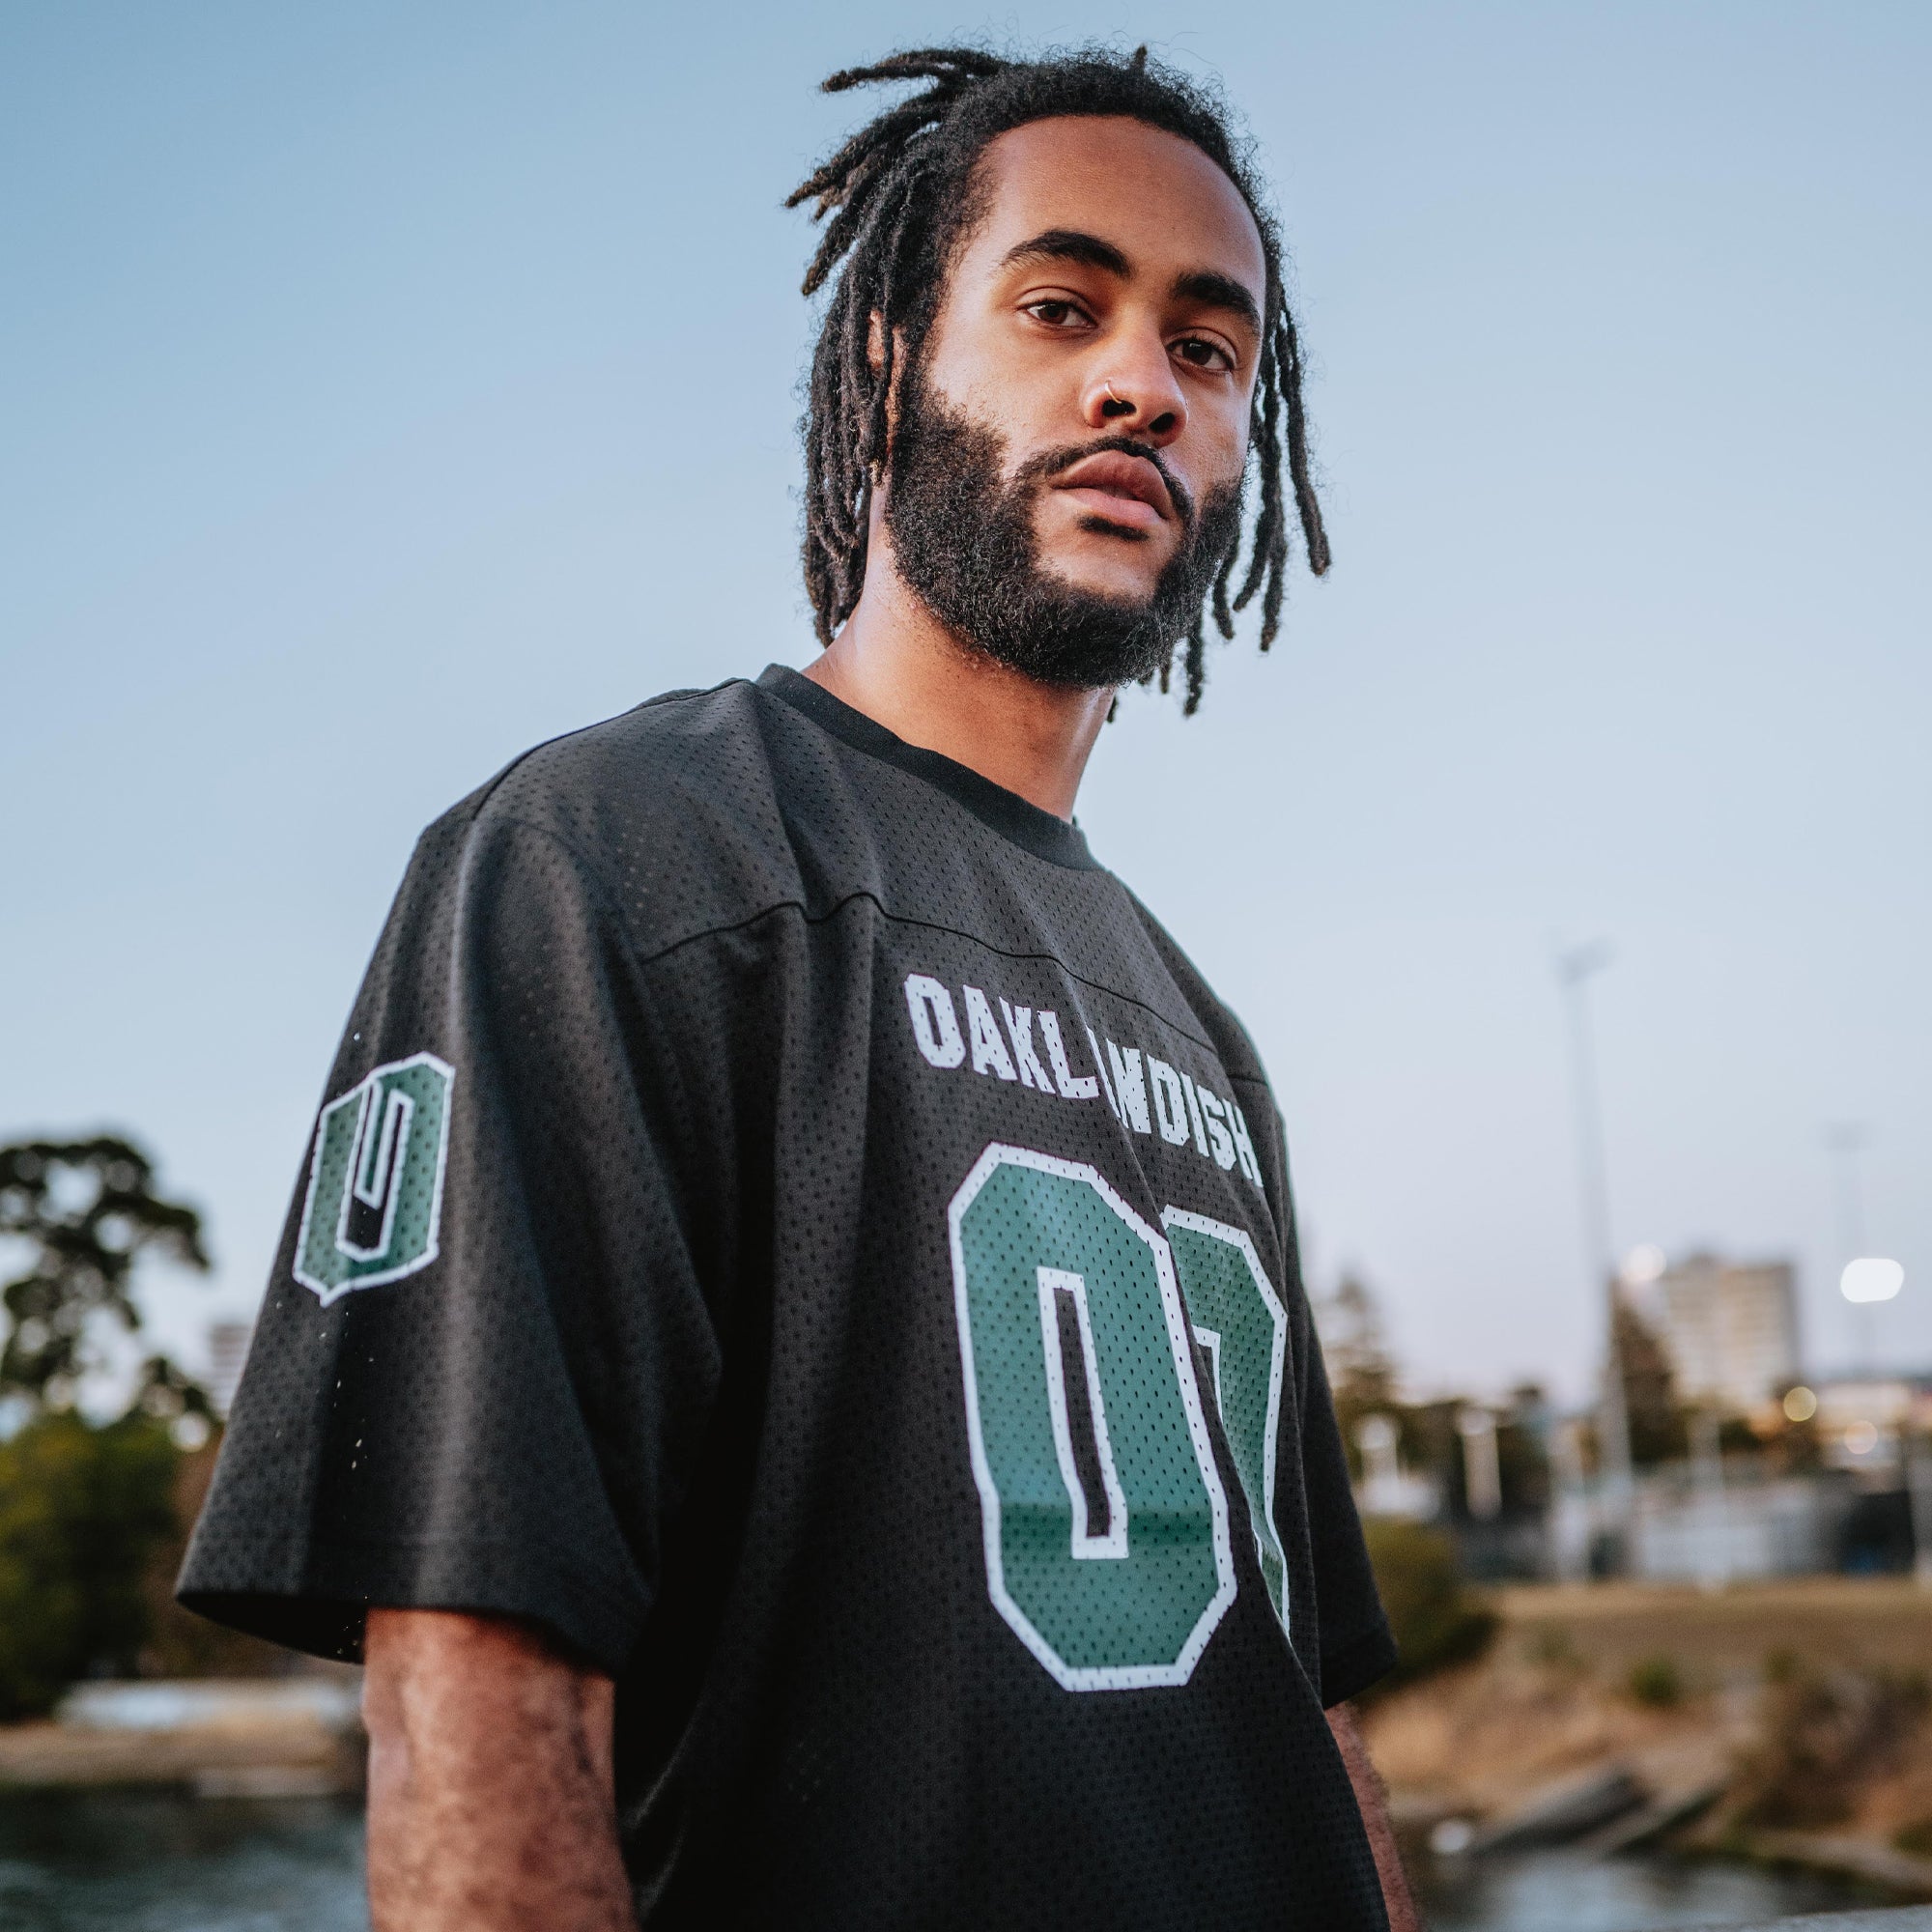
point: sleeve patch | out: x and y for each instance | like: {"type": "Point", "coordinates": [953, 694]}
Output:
{"type": "Point", "coordinates": [374, 1207]}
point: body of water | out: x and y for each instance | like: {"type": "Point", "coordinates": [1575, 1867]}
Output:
{"type": "Point", "coordinates": [1562, 1892]}
{"type": "Point", "coordinates": [162, 1861]}
{"type": "Point", "coordinates": [127, 1862]}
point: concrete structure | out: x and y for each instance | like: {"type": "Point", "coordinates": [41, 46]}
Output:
{"type": "Point", "coordinates": [1730, 1329]}
{"type": "Point", "coordinates": [1896, 1918]}
{"type": "Point", "coordinates": [1692, 1524]}
{"type": "Point", "coordinates": [1482, 1471]}
{"type": "Point", "coordinates": [1691, 1532]}
{"type": "Point", "coordinates": [1387, 1488]}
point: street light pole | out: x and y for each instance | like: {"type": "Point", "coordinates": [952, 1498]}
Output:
{"type": "Point", "coordinates": [1846, 1140]}
{"type": "Point", "coordinates": [1866, 1281]}
{"type": "Point", "coordinates": [1575, 967]}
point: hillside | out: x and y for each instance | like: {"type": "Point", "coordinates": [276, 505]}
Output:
{"type": "Point", "coordinates": [1788, 1721]}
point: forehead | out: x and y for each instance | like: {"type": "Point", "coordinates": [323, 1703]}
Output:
{"type": "Point", "coordinates": [1156, 196]}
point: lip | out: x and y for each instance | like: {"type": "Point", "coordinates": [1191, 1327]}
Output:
{"type": "Point", "coordinates": [1114, 484]}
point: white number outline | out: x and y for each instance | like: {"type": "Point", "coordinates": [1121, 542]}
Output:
{"type": "Point", "coordinates": [1087, 1546]}
{"type": "Point", "coordinates": [1089, 1677]}
{"type": "Point", "coordinates": [1210, 1340]}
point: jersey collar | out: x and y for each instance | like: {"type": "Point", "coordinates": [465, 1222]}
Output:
{"type": "Point", "coordinates": [1015, 819]}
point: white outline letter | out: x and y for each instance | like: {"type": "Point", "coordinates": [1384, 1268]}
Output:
{"type": "Point", "coordinates": [930, 1005]}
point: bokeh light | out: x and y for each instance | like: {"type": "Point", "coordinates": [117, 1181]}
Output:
{"type": "Point", "coordinates": [1871, 1278]}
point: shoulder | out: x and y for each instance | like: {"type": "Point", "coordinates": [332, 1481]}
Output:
{"type": "Point", "coordinates": [670, 810]}
{"type": "Point", "coordinates": [644, 765]}
{"type": "Point", "coordinates": [1231, 1038]}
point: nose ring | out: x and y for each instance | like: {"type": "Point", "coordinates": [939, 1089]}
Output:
{"type": "Point", "coordinates": [1111, 397]}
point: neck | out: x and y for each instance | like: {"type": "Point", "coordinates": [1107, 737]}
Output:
{"type": "Point", "coordinates": [895, 661]}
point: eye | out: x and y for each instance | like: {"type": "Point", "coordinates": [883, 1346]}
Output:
{"type": "Point", "coordinates": [1055, 311]}
{"type": "Point", "coordinates": [1199, 353]}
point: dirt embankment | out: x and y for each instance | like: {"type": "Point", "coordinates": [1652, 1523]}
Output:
{"type": "Point", "coordinates": [1782, 1721]}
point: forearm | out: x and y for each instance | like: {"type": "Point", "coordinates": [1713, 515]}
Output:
{"type": "Point", "coordinates": [491, 1803]}
{"type": "Point", "coordinates": [1373, 1801]}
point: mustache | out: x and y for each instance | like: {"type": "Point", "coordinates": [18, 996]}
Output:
{"type": "Point", "coordinates": [1051, 462]}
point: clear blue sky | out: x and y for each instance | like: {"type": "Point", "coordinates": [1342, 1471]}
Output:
{"type": "Point", "coordinates": [386, 388]}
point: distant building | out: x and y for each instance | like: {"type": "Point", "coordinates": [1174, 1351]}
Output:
{"type": "Point", "coordinates": [1734, 1532]}
{"type": "Point", "coordinates": [1386, 1488]}
{"type": "Point", "coordinates": [1862, 1424]}
{"type": "Point", "coordinates": [1730, 1329]}
{"type": "Point", "coordinates": [227, 1351]}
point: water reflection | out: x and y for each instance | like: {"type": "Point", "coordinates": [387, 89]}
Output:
{"type": "Point", "coordinates": [158, 1862]}
{"type": "Point", "coordinates": [164, 1862]}
{"type": "Point", "coordinates": [1541, 1891]}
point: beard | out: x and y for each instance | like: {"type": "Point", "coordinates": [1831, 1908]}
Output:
{"type": "Point", "coordinates": [964, 539]}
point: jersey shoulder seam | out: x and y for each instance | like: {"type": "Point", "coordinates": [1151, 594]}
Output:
{"type": "Point", "coordinates": [593, 878]}
{"type": "Point", "coordinates": [884, 911]}
{"type": "Point", "coordinates": [487, 790]}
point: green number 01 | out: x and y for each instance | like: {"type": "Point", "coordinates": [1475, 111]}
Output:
{"type": "Point", "coordinates": [1105, 1524]}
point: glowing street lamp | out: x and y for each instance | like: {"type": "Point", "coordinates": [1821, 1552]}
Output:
{"type": "Point", "coordinates": [1866, 1282]}
{"type": "Point", "coordinates": [1871, 1278]}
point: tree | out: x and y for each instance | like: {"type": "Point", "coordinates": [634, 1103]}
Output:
{"type": "Point", "coordinates": [1362, 1375]}
{"type": "Point", "coordinates": [1432, 1615]}
{"type": "Point", "coordinates": [1354, 1345]}
{"type": "Point", "coordinates": [82, 1514]}
{"type": "Point", "coordinates": [1657, 1432]}
{"type": "Point", "coordinates": [87, 1211]}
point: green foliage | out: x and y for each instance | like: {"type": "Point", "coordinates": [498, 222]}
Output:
{"type": "Point", "coordinates": [1654, 1681]}
{"type": "Point", "coordinates": [86, 1211]}
{"type": "Point", "coordinates": [1434, 1619]}
{"type": "Point", "coordinates": [1363, 1383]}
{"type": "Point", "coordinates": [82, 1513]}
{"type": "Point", "coordinates": [1361, 1376]}
{"type": "Point", "coordinates": [180, 1643]}
{"type": "Point", "coordinates": [1914, 1837]}
{"type": "Point", "coordinates": [1657, 1428]}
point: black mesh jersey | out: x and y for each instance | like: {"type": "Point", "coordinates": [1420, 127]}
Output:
{"type": "Point", "coordinates": [788, 1222]}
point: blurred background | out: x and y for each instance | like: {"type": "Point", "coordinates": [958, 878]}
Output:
{"type": "Point", "coordinates": [387, 389]}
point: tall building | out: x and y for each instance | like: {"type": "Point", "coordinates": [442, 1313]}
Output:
{"type": "Point", "coordinates": [227, 1351]}
{"type": "Point", "coordinates": [1730, 1329]}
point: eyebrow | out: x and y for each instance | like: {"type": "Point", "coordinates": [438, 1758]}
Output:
{"type": "Point", "coordinates": [1218, 290]}
{"type": "Point", "coordinates": [1069, 245]}
{"type": "Point", "coordinates": [1072, 244]}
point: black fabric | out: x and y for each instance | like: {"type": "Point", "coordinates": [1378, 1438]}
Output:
{"type": "Point", "coordinates": [1013, 817]}
{"type": "Point", "coordinates": [665, 1344]}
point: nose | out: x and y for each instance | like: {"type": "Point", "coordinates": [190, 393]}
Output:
{"type": "Point", "coordinates": [1135, 393]}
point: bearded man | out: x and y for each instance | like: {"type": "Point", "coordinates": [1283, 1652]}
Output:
{"type": "Point", "coordinates": [788, 1363]}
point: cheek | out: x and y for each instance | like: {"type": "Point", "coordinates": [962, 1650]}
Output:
{"type": "Point", "coordinates": [961, 370]}
{"type": "Point", "coordinates": [1028, 402]}
{"type": "Point", "coordinates": [1225, 442]}
{"type": "Point", "coordinates": [1217, 471]}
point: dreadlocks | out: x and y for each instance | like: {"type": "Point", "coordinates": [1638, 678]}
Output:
{"type": "Point", "coordinates": [900, 194]}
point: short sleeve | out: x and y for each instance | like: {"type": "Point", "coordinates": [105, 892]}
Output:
{"type": "Point", "coordinates": [485, 1360]}
{"type": "Point", "coordinates": [1357, 1644]}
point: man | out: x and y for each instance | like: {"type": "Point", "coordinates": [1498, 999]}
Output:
{"type": "Point", "coordinates": [788, 1363]}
